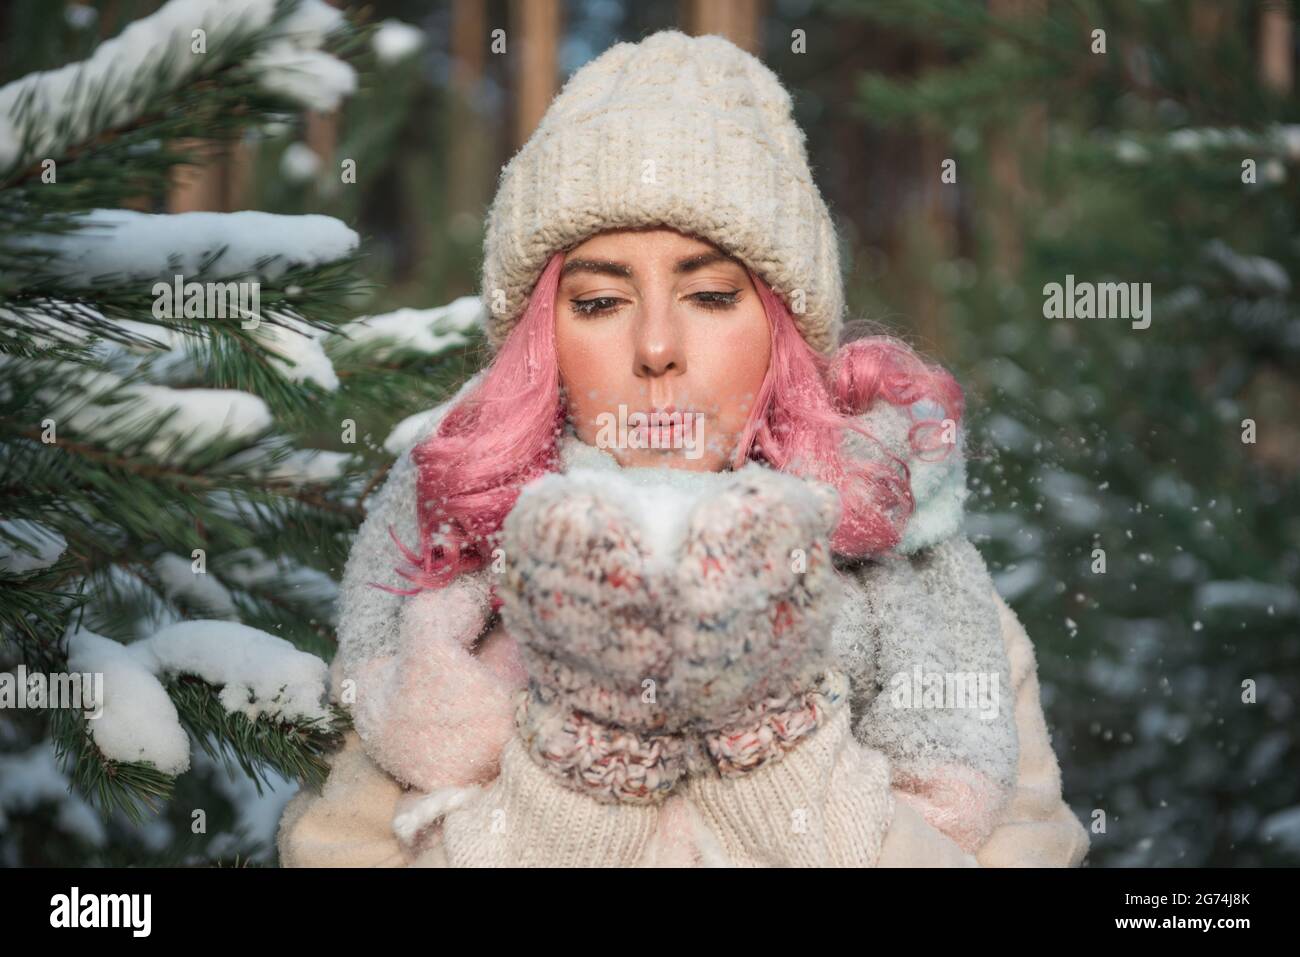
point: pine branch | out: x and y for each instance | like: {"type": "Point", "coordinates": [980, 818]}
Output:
{"type": "Point", "coordinates": [134, 789]}
{"type": "Point", "coordinates": [34, 613]}
{"type": "Point", "coordinates": [41, 306]}
{"type": "Point", "coordinates": [212, 98]}
{"type": "Point", "coordinates": [296, 750]}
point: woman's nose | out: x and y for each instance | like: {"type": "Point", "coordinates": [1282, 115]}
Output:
{"type": "Point", "coordinates": [658, 349]}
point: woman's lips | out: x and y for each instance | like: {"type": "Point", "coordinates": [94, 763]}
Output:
{"type": "Point", "coordinates": [669, 426]}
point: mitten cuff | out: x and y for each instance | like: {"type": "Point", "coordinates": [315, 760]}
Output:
{"type": "Point", "coordinates": [767, 730]}
{"type": "Point", "coordinates": [604, 762]}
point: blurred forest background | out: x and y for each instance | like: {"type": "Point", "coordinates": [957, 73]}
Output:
{"type": "Point", "coordinates": [1136, 490]}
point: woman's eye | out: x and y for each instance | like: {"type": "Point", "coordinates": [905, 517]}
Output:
{"type": "Point", "coordinates": [588, 307]}
{"type": "Point", "coordinates": [716, 299]}
{"type": "Point", "coordinates": [712, 299]}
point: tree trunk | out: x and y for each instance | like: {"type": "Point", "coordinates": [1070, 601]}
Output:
{"type": "Point", "coordinates": [535, 37]}
{"type": "Point", "coordinates": [740, 21]}
{"type": "Point", "coordinates": [1276, 29]}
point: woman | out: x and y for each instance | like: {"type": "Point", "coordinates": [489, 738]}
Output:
{"type": "Point", "coordinates": [659, 246]}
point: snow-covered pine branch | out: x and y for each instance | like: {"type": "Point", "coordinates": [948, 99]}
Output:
{"type": "Point", "coordinates": [427, 331]}
{"type": "Point", "coordinates": [115, 411]}
{"type": "Point", "coordinates": [131, 249]}
{"type": "Point", "coordinates": [28, 546]}
{"type": "Point", "coordinates": [150, 467]}
{"type": "Point", "coordinates": [260, 677]}
{"type": "Point", "coordinates": [45, 113]}
{"type": "Point", "coordinates": [130, 246]}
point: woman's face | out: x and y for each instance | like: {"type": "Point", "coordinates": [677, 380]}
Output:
{"type": "Point", "coordinates": [662, 345]}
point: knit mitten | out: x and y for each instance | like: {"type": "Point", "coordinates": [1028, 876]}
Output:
{"type": "Point", "coordinates": [590, 617]}
{"type": "Point", "coordinates": [756, 603]}
{"type": "Point", "coordinates": [652, 619]}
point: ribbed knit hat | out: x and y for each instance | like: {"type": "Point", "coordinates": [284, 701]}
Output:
{"type": "Point", "coordinates": [692, 133]}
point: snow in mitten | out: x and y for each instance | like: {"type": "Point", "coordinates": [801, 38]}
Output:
{"type": "Point", "coordinates": [648, 611]}
{"type": "Point", "coordinates": [676, 641]}
{"type": "Point", "coordinates": [585, 594]}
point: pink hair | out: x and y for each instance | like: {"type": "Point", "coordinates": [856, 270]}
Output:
{"type": "Point", "coordinates": [807, 401]}
{"type": "Point", "coordinates": [498, 438]}
{"type": "Point", "coordinates": [504, 433]}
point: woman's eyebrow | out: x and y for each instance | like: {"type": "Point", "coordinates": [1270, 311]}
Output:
{"type": "Point", "coordinates": [700, 260]}
{"type": "Point", "coordinates": [604, 267]}
{"type": "Point", "coordinates": [609, 267]}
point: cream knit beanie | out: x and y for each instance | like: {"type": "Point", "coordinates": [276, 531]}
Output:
{"type": "Point", "coordinates": [689, 132]}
